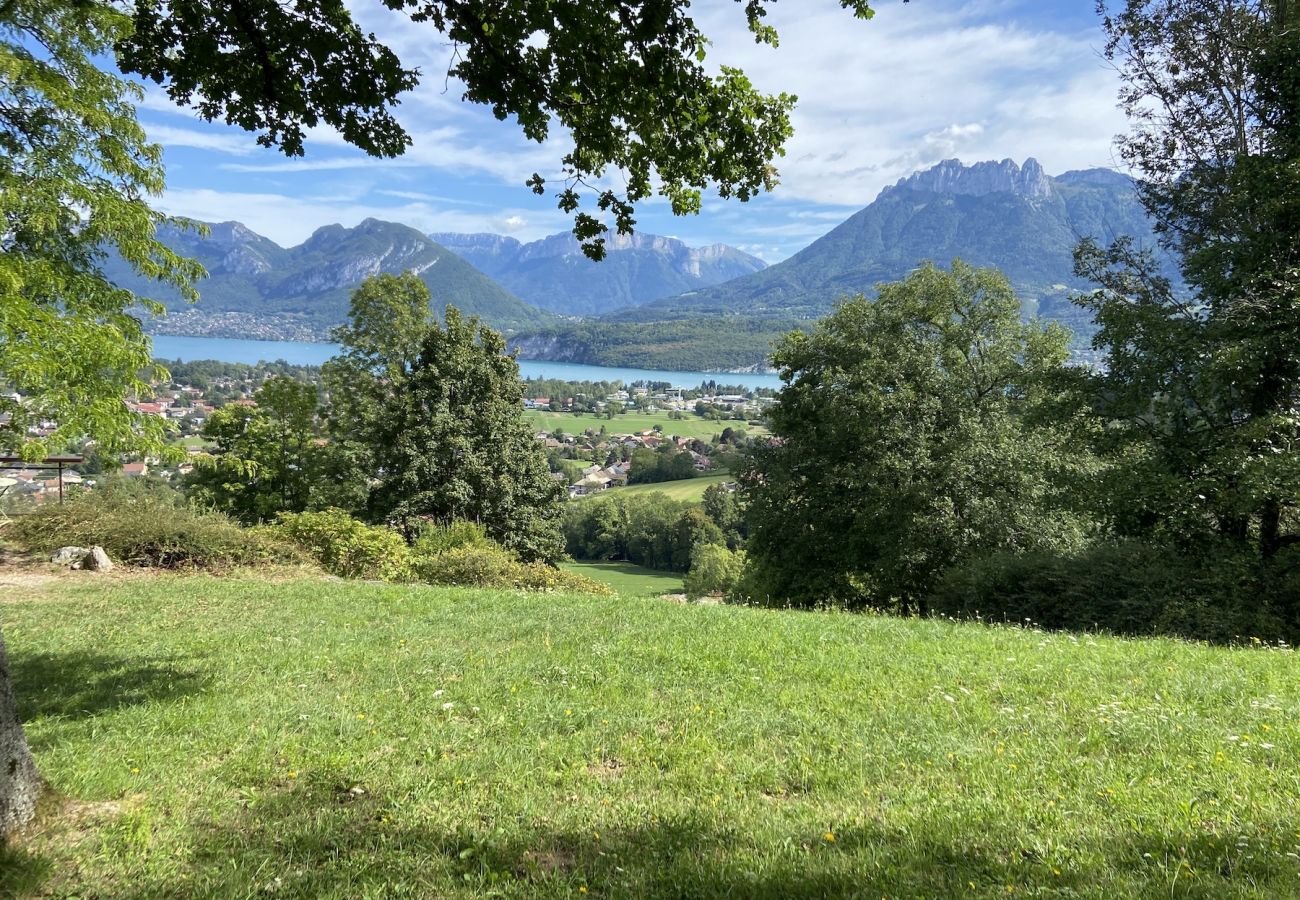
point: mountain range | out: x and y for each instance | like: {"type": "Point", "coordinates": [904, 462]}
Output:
{"type": "Point", "coordinates": [657, 303]}
{"type": "Point", "coordinates": [309, 285]}
{"type": "Point", "coordinates": [1012, 217]}
{"type": "Point", "coordinates": [554, 274]}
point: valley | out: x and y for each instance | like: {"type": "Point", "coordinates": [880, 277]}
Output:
{"type": "Point", "coordinates": [656, 303]}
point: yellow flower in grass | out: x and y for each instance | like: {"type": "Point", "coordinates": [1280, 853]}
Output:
{"type": "Point", "coordinates": [829, 837]}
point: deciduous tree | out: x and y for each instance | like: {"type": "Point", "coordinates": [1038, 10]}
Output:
{"type": "Point", "coordinates": [907, 437]}
{"type": "Point", "coordinates": [1202, 393]}
{"type": "Point", "coordinates": [437, 409]}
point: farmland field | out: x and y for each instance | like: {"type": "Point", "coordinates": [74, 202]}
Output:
{"type": "Point", "coordinates": [692, 426]}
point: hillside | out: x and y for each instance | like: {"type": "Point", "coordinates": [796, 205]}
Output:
{"type": "Point", "coordinates": [1016, 218]}
{"type": "Point", "coordinates": [309, 285]}
{"type": "Point", "coordinates": [239, 737]}
{"type": "Point", "coordinates": [553, 273]}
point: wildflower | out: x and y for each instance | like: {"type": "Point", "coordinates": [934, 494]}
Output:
{"type": "Point", "coordinates": [293, 774]}
{"type": "Point", "coordinates": [829, 837]}
{"type": "Point", "coordinates": [446, 707]}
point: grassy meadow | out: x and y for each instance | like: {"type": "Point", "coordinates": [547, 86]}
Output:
{"type": "Point", "coordinates": [305, 738]}
{"type": "Point", "coordinates": [689, 489]}
{"type": "Point", "coordinates": [691, 426]}
{"type": "Point", "coordinates": [629, 580]}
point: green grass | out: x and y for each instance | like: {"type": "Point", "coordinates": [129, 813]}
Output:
{"type": "Point", "coordinates": [692, 426]}
{"type": "Point", "coordinates": [689, 489]}
{"type": "Point", "coordinates": [628, 579]}
{"type": "Point", "coordinates": [235, 737]}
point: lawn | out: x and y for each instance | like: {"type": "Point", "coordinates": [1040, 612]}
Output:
{"type": "Point", "coordinates": [692, 426]}
{"type": "Point", "coordinates": [237, 737]}
{"type": "Point", "coordinates": [628, 579]}
{"type": "Point", "coordinates": [690, 489]}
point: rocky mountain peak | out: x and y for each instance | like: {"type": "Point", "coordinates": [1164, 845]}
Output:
{"type": "Point", "coordinates": [952, 177]}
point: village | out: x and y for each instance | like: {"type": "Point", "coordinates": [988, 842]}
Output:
{"type": "Point", "coordinates": [587, 460]}
{"type": "Point", "coordinates": [672, 449]}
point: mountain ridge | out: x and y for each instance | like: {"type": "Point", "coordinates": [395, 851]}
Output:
{"type": "Point", "coordinates": [306, 288]}
{"type": "Point", "coordinates": [1012, 217]}
{"type": "Point", "coordinates": [553, 273]}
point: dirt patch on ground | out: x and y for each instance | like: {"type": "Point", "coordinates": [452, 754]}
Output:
{"type": "Point", "coordinates": [65, 822]}
{"type": "Point", "coordinates": [25, 579]}
{"type": "Point", "coordinates": [606, 769]}
{"type": "Point", "coordinates": [546, 862]}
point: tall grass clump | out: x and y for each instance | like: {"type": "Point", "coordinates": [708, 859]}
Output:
{"type": "Point", "coordinates": [146, 523]}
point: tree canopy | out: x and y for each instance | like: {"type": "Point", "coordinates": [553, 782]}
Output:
{"type": "Point", "coordinates": [1201, 396]}
{"type": "Point", "coordinates": [434, 413]}
{"type": "Point", "coordinates": [626, 82]}
{"type": "Point", "coordinates": [910, 435]}
{"type": "Point", "coordinates": [75, 176]}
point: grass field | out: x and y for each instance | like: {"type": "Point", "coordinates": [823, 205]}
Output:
{"type": "Point", "coordinates": [235, 737]}
{"type": "Point", "coordinates": [629, 580]}
{"type": "Point", "coordinates": [692, 426]}
{"type": "Point", "coordinates": [690, 489]}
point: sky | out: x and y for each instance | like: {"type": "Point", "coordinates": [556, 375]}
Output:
{"type": "Point", "coordinates": [921, 82]}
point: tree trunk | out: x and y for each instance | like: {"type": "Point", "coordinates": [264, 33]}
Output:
{"type": "Point", "coordinates": [1270, 529]}
{"type": "Point", "coordinates": [19, 782]}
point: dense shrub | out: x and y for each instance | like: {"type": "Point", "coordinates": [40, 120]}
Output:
{"type": "Point", "coordinates": [147, 523]}
{"type": "Point", "coordinates": [714, 570]}
{"type": "Point", "coordinates": [438, 538]}
{"type": "Point", "coordinates": [1125, 588]}
{"type": "Point", "coordinates": [492, 566]}
{"type": "Point", "coordinates": [345, 547]}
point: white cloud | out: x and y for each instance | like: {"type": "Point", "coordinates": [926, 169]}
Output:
{"type": "Point", "coordinates": [919, 83]}
{"type": "Point", "coordinates": [208, 139]}
{"type": "Point", "coordinates": [290, 220]}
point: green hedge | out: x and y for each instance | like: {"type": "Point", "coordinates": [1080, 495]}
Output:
{"type": "Point", "coordinates": [1125, 588]}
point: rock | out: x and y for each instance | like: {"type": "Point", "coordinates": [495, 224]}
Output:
{"type": "Point", "coordinates": [70, 556]}
{"type": "Point", "coordinates": [97, 561]}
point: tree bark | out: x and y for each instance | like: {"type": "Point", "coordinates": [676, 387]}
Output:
{"type": "Point", "coordinates": [20, 783]}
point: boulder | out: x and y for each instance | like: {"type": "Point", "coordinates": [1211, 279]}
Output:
{"type": "Point", "coordinates": [70, 556]}
{"type": "Point", "coordinates": [97, 561]}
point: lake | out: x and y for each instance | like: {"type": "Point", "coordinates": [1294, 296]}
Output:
{"type": "Point", "coordinates": [188, 349]}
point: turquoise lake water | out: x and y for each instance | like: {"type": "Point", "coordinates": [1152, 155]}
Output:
{"type": "Point", "coordinates": [188, 349]}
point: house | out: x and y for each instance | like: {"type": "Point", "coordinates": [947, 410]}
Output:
{"type": "Point", "coordinates": [135, 469]}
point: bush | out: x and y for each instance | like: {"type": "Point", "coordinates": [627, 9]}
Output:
{"type": "Point", "coordinates": [714, 570]}
{"type": "Point", "coordinates": [147, 523]}
{"type": "Point", "coordinates": [433, 539]}
{"type": "Point", "coordinates": [1126, 588]}
{"type": "Point", "coordinates": [492, 566]}
{"type": "Point", "coordinates": [345, 547]}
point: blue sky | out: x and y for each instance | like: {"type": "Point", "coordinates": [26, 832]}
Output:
{"type": "Point", "coordinates": [921, 82]}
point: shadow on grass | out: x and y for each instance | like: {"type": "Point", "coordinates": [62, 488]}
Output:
{"type": "Point", "coordinates": [319, 839]}
{"type": "Point", "coordinates": [21, 873]}
{"type": "Point", "coordinates": [77, 684]}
